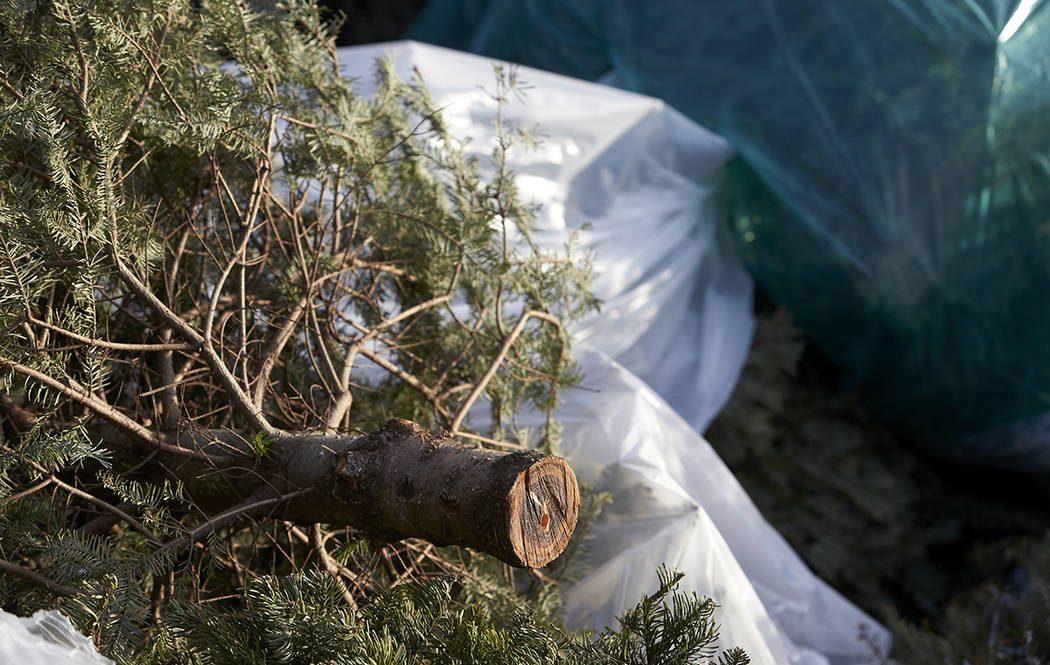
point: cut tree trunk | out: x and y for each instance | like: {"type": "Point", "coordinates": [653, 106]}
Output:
{"type": "Point", "coordinates": [398, 482]}
{"type": "Point", "coordinates": [520, 507]}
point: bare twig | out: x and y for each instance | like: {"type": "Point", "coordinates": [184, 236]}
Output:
{"type": "Point", "coordinates": [254, 505]}
{"type": "Point", "coordinates": [211, 357]}
{"type": "Point", "coordinates": [10, 88]}
{"type": "Point", "coordinates": [273, 352]}
{"type": "Point", "coordinates": [484, 439]}
{"type": "Point", "coordinates": [330, 565]}
{"type": "Point", "coordinates": [358, 579]}
{"type": "Point", "coordinates": [116, 346]}
{"type": "Point", "coordinates": [26, 492]}
{"type": "Point", "coordinates": [408, 378]}
{"type": "Point", "coordinates": [498, 360]}
{"type": "Point", "coordinates": [318, 128]}
{"type": "Point", "coordinates": [82, 396]}
{"type": "Point", "coordinates": [38, 579]}
{"type": "Point", "coordinates": [344, 398]}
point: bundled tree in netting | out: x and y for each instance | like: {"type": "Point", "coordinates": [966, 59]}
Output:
{"type": "Point", "coordinates": [245, 314]}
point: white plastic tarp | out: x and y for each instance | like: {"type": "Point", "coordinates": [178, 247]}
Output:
{"type": "Point", "coordinates": [46, 638]}
{"type": "Point", "coordinates": [637, 181]}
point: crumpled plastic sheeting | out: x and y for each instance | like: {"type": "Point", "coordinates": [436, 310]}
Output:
{"type": "Point", "coordinates": [636, 180]}
{"type": "Point", "coordinates": [46, 638]}
{"type": "Point", "coordinates": [675, 502]}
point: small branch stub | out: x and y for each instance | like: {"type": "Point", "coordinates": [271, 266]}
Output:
{"type": "Point", "coordinates": [402, 482]}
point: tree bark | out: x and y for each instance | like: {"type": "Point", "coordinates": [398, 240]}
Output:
{"type": "Point", "coordinates": [398, 482]}
{"type": "Point", "coordinates": [519, 507]}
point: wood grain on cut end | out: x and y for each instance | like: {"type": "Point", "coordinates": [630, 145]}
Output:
{"type": "Point", "coordinates": [543, 507]}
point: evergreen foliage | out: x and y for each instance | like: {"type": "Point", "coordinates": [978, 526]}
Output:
{"type": "Point", "coordinates": [204, 227]}
{"type": "Point", "coordinates": [300, 619]}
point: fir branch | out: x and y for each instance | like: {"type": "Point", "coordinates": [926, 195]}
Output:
{"type": "Point", "coordinates": [105, 505]}
{"type": "Point", "coordinates": [80, 395]}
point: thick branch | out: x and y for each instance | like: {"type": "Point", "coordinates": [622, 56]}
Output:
{"type": "Point", "coordinates": [519, 507]}
{"type": "Point", "coordinates": [399, 482]}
